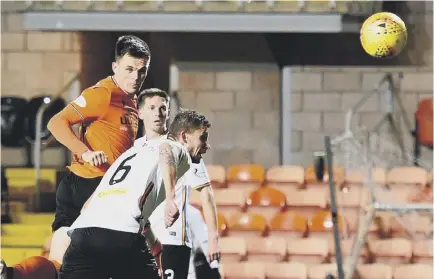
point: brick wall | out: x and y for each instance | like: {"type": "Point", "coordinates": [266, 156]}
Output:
{"type": "Point", "coordinates": [242, 101]}
{"type": "Point", "coordinates": [33, 64]}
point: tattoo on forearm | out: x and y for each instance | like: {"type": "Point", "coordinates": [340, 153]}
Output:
{"type": "Point", "coordinates": [166, 155]}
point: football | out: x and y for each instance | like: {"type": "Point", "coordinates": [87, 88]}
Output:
{"type": "Point", "coordinates": [383, 35]}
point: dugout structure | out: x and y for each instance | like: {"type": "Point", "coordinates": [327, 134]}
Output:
{"type": "Point", "coordinates": [362, 151]}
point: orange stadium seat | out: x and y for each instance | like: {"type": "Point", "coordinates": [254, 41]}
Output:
{"type": "Point", "coordinates": [266, 200]}
{"type": "Point", "coordinates": [311, 250]}
{"type": "Point", "coordinates": [285, 271]}
{"type": "Point", "coordinates": [348, 200]}
{"type": "Point", "coordinates": [217, 175]}
{"type": "Point", "coordinates": [266, 249]}
{"type": "Point", "coordinates": [246, 270]}
{"type": "Point", "coordinates": [230, 201]}
{"type": "Point", "coordinates": [321, 224]}
{"type": "Point", "coordinates": [285, 177]}
{"type": "Point", "coordinates": [413, 271]}
{"type": "Point", "coordinates": [346, 247]}
{"type": "Point", "coordinates": [374, 271]}
{"type": "Point", "coordinates": [233, 249]}
{"type": "Point", "coordinates": [320, 271]}
{"type": "Point", "coordinates": [391, 251]}
{"type": "Point", "coordinates": [417, 224]}
{"type": "Point", "coordinates": [222, 224]}
{"type": "Point", "coordinates": [248, 224]}
{"type": "Point", "coordinates": [380, 226]}
{"type": "Point", "coordinates": [423, 251]}
{"type": "Point", "coordinates": [245, 175]}
{"type": "Point", "coordinates": [412, 178]}
{"type": "Point", "coordinates": [423, 196]}
{"type": "Point", "coordinates": [288, 224]}
{"type": "Point", "coordinates": [424, 119]}
{"type": "Point", "coordinates": [307, 201]}
{"type": "Point", "coordinates": [354, 178]}
{"type": "Point", "coordinates": [312, 181]}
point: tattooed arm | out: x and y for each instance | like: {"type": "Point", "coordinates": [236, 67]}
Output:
{"type": "Point", "coordinates": [168, 169]}
{"type": "Point", "coordinates": [167, 164]}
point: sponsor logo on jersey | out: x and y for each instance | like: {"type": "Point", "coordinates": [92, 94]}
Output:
{"type": "Point", "coordinates": [114, 191]}
{"type": "Point", "coordinates": [80, 101]}
{"type": "Point", "coordinates": [199, 173]}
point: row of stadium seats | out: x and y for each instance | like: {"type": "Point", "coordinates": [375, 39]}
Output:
{"type": "Point", "coordinates": [271, 200]}
{"type": "Point", "coordinates": [291, 224]}
{"type": "Point", "coordinates": [313, 6]}
{"type": "Point", "coordinates": [259, 270]}
{"type": "Point", "coordinates": [296, 175]}
{"type": "Point", "coordinates": [317, 250]}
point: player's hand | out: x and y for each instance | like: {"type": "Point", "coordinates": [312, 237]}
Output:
{"type": "Point", "coordinates": [171, 212]}
{"type": "Point", "coordinates": [94, 158]}
{"type": "Point", "coordinates": [213, 248]}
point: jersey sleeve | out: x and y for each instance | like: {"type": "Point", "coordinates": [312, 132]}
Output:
{"type": "Point", "coordinates": [198, 176]}
{"type": "Point", "coordinates": [91, 104]}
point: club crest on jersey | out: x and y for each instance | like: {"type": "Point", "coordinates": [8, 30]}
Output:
{"type": "Point", "coordinates": [80, 101]}
{"type": "Point", "coordinates": [199, 173]}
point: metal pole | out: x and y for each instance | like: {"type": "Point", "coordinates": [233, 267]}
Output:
{"type": "Point", "coordinates": [333, 207]}
{"type": "Point", "coordinates": [38, 153]}
{"type": "Point", "coordinates": [351, 261]}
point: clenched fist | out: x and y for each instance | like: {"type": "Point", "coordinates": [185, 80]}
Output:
{"type": "Point", "coordinates": [94, 158]}
{"type": "Point", "coordinates": [171, 212]}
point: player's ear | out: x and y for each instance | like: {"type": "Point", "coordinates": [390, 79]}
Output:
{"type": "Point", "coordinates": [114, 67]}
{"type": "Point", "coordinates": [183, 136]}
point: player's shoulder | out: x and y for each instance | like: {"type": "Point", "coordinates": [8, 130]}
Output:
{"type": "Point", "coordinates": [102, 87]}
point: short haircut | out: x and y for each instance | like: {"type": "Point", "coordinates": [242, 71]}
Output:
{"type": "Point", "coordinates": [132, 46]}
{"type": "Point", "coordinates": [188, 121]}
{"type": "Point", "coordinates": [149, 93]}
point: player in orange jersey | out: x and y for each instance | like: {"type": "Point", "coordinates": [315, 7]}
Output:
{"type": "Point", "coordinates": [35, 267]}
{"type": "Point", "coordinates": [107, 113]}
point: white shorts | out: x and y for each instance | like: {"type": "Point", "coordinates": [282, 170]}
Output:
{"type": "Point", "coordinates": [177, 234]}
{"type": "Point", "coordinates": [59, 243]}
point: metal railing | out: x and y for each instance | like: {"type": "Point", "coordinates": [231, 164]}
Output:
{"type": "Point", "coordinates": [38, 144]}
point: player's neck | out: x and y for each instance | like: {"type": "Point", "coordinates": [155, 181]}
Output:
{"type": "Point", "coordinates": [154, 135]}
{"type": "Point", "coordinates": [117, 84]}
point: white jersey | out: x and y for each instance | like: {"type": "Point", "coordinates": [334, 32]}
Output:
{"type": "Point", "coordinates": [132, 182]}
{"type": "Point", "coordinates": [179, 233]}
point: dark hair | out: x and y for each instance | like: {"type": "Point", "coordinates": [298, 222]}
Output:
{"type": "Point", "coordinates": [132, 46]}
{"type": "Point", "coordinates": [149, 93]}
{"type": "Point", "coordinates": [188, 121]}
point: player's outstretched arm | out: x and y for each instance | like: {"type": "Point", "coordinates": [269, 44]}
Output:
{"type": "Point", "coordinates": [210, 214]}
{"type": "Point", "coordinates": [167, 164]}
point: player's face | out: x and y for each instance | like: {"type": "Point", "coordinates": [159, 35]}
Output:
{"type": "Point", "coordinates": [130, 72]}
{"type": "Point", "coordinates": [154, 113]}
{"type": "Point", "coordinates": [197, 143]}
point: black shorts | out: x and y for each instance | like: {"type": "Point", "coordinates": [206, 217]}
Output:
{"type": "Point", "coordinates": [175, 261]}
{"type": "Point", "coordinates": [71, 194]}
{"type": "Point", "coordinates": [97, 253]}
{"type": "Point", "coordinates": [202, 268]}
